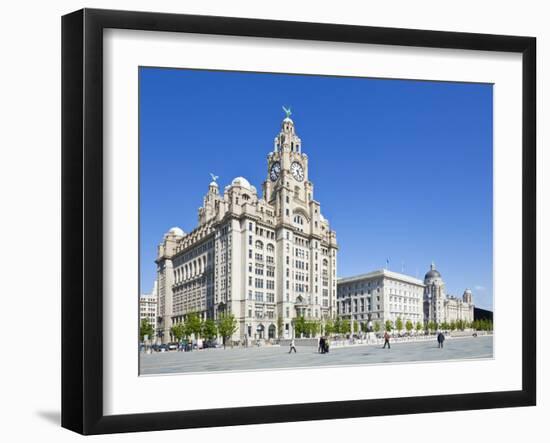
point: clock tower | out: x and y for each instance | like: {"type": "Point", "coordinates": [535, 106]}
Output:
{"type": "Point", "coordinates": [287, 172]}
{"type": "Point", "coordinates": [268, 261]}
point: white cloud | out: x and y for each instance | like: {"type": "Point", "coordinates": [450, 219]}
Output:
{"type": "Point", "coordinates": [479, 288]}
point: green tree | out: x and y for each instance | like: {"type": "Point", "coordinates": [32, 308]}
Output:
{"type": "Point", "coordinates": [227, 326]}
{"type": "Point", "coordinates": [376, 326]}
{"type": "Point", "coordinates": [389, 325]}
{"type": "Point", "coordinates": [145, 328]}
{"type": "Point", "coordinates": [444, 325]}
{"type": "Point", "coordinates": [345, 326]}
{"type": "Point", "coordinates": [452, 326]}
{"type": "Point", "coordinates": [431, 326]}
{"type": "Point", "coordinates": [419, 327]}
{"type": "Point", "coordinates": [300, 327]}
{"type": "Point", "coordinates": [338, 326]}
{"type": "Point", "coordinates": [399, 324]}
{"type": "Point", "coordinates": [209, 329]}
{"type": "Point", "coordinates": [314, 327]}
{"type": "Point", "coordinates": [329, 327]}
{"type": "Point", "coordinates": [355, 327]}
{"type": "Point", "coordinates": [193, 325]}
{"type": "Point", "coordinates": [178, 331]}
{"type": "Point", "coordinates": [409, 326]}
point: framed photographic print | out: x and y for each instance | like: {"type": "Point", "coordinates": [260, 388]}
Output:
{"type": "Point", "coordinates": [269, 221]}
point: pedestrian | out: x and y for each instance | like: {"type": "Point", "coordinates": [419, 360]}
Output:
{"type": "Point", "coordinates": [440, 339]}
{"type": "Point", "coordinates": [387, 340]}
{"type": "Point", "coordinates": [327, 345]}
{"type": "Point", "coordinates": [321, 345]}
{"type": "Point", "coordinates": [292, 346]}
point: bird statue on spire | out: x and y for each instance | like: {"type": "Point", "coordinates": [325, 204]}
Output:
{"type": "Point", "coordinates": [214, 177]}
{"type": "Point", "coordinates": [288, 111]}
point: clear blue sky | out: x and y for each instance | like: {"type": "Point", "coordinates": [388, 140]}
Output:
{"type": "Point", "coordinates": [402, 169]}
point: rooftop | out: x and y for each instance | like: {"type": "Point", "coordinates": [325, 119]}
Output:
{"type": "Point", "coordinates": [381, 273]}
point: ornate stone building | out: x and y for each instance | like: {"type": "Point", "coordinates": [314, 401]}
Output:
{"type": "Point", "coordinates": [379, 296]}
{"type": "Point", "coordinates": [266, 259]}
{"type": "Point", "coordinates": [440, 307]}
{"type": "Point", "coordinates": [386, 295]}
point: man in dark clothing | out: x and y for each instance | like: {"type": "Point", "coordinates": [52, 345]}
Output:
{"type": "Point", "coordinates": [440, 339]}
{"type": "Point", "coordinates": [387, 340]}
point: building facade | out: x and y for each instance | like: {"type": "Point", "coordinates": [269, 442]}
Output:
{"type": "Point", "coordinates": [265, 259]}
{"type": "Point", "coordinates": [440, 307]}
{"type": "Point", "coordinates": [386, 295]}
{"type": "Point", "coordinates": [380, 296]}
{"type": "Point", "coordinates": [148, 307]}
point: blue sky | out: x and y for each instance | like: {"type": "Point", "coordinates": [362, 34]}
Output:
{"type": "Point", "coordinates": [402, 168]}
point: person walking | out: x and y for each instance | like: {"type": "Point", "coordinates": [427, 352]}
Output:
{"type": "Point", "coordinates": [440, 339]}
{"type": "Point", "coordinates": [321, 349]}
{"type": "Point", "coordinates": [292, 346]}
{"type": "Point", "coordinates": [386, 340]}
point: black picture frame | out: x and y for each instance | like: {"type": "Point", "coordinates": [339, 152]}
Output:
{"type": "Point", "coordinates": [82, 217]}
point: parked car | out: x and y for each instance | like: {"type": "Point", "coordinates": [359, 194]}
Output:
{"type": "Point", "coordinates": [162, 348]}
{"type": "Point", "coordinates": [172, 346]}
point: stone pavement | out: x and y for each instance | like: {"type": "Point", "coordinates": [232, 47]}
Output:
{"type": "Point", "coordinates": [274, 357]}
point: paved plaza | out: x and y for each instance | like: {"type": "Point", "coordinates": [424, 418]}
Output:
{"type": "Point", "coordinates": [274, 357]}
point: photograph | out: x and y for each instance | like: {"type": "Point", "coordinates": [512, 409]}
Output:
{"type": "Point", "coordinates": [291, 221]}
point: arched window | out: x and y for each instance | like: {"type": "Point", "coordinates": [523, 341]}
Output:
{"type": "Point", "coordinates": [298, 220]}
{"type": "Point", "coordinates": [270, 247]}
{"type": "Point", "coordinates": [325, 262]}
{"type": "Point", "coordinates": [246, 197]}
{"type": "Point", "coordinates": [259, 244]}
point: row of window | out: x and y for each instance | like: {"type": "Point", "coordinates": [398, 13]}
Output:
{"type": "Point", "coordinates": [261, 231]}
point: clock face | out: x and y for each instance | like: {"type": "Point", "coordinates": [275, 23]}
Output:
{"type": "Point", "coordinates": [275, 171]}
{"type": "Point", "coordinates": [297, 171]}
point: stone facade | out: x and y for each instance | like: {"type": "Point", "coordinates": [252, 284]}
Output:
{"type": "Point", "coordinates": [379, 296]}
{"type": "Point", "coordinates": [265, 259]}
{"type": "Point", "coordinates": [440, 307]}
{"type": "Point", "coordinates": [148, 307]}
{"type": "Point", "coordinates": [385, 295]}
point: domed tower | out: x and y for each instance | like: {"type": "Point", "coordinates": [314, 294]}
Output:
{"type": "Point", "coordinates": [210, 202]}
{"type": "Point", "coordinates": [434, 296]}
{"type": "Point", "coordinates": [165, 278]}
{"type": "Point", "coordinates": [467, 296]}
